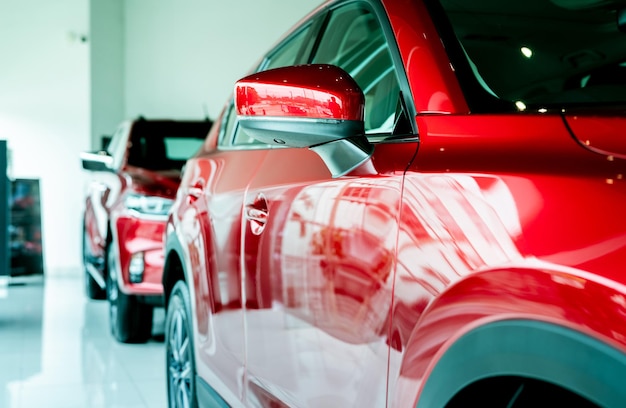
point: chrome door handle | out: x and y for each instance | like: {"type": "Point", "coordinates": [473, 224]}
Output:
{"type": "Point", "coordinates": [257, 214]}
{"type": "Point", "coordinates": [194, 192]}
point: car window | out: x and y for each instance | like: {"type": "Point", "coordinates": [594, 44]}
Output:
{"type": "Point", "coordinates": [538, 53]}
{"type": "Point", "coordinates": [162, 152]}
{"type": "Point", "coordinates": [181, 148]}
{"type": "Point", "coordinates": [165, 145]}
{"type": "Point", "coordinates": [228, 123]}
{"type": "Point", "coordinates": [292, 51]}
{"type": "Point", "coordinates": [354, 41]}
{"type": "Point", "coordinates": [241, 138]}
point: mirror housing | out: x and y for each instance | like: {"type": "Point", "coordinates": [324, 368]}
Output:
{"type": "Point", "coordinates": [97, 161]}
{"type": "Point", "coordinates": [317, 106]}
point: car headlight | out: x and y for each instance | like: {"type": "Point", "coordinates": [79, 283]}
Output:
{"type": "Point", "coordinates": [148, 205]}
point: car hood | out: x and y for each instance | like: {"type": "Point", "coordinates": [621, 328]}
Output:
{"type": "Point", "coordinates": [148, 182]}
{"type": "Point", "coordinates": [601, 133]}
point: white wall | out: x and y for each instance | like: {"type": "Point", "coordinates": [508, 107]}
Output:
{"type": "Point", "coordinates": [44, 112]}
{"type": "Point", "coordinates": [159, 58]}
{"type": "Point", "coordinates": [107, 67]}
{"type": "Point", "coordinates": [183, 57]}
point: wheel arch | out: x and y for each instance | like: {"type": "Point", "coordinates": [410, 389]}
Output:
{"type": "Point", "coordinates": [573, 321]}
{"type": "Point", "coordinates": [534, 349]}
{"type": "Point", "coordinates": [173, 268]}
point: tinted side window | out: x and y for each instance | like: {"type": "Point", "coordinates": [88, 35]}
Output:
{"type": "Point", "coordinates": [179, 149]}
{"type": "Point", "coordinates": [228, 123]}
{"type": "Point", "coordinates": [291, 52]}
{"type": "Point", "coordinates": [354, 41]}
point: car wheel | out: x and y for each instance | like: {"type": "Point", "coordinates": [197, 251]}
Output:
{"type": "Point", "coordinates": [130, 320]}
{"type": "Point", "coordinates": [92, 289]}
{"type": "Point", "coordinates": [181, 367]}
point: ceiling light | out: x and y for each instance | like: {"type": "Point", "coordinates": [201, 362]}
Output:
{"type": "Point", "coordinates": [527, 52]}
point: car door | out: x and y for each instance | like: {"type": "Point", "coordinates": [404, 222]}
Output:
{"type": "Point", "coordinates": [215, 183]}
{"type": "Point", "coordinates": [318, 252]}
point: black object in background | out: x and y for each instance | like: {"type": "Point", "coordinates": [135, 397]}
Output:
{"type": "Point", "coordinates": [25, 228]}
{"type": "Point", "coordinates": [4, 211]}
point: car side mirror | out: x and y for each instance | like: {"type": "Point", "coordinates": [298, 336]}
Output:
{"type": "Point", "coordinates": [105, 140]}
{"type": "Point", "coordinates": [97, 161]}
{"type": "Point", "coordinates": [316, 106]}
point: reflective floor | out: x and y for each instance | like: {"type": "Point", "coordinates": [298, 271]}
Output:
{"type": "Point", "coordinates": [56, 351]}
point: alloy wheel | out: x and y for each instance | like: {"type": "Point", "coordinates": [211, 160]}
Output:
{"type": "Point", "coordinates": [180, 372]}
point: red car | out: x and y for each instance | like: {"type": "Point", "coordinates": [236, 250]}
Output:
{"type": "Point", "coordinates": [410, 203]}
{"type": "Point", "coordinates": [133, 184]}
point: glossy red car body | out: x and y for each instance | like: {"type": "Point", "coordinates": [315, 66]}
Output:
{"type": "Point", "coordinates": [133, 182]}
{"type": "Point", "coordinates": [473, 255]}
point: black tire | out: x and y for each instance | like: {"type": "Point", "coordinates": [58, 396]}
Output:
{"type": "Point", "coordinates": [130, 320]}
{"type": "Point", "coordinates": [92, 289]}
{"type": "Point", "coordinates": [180, 360]}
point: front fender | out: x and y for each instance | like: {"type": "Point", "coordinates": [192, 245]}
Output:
{"type": "Point", "coordinates": [571, 300]}
{"type": "Point", "coordinates": [173, 248]}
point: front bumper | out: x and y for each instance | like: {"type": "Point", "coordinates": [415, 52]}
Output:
{"type": "Point", "coordinates": [140, 238]}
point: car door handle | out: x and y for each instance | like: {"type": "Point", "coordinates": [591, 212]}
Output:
{"type": "Point", "coordinates": [194, 192]}
{"type": "Point", "coordinates": [257, 214]}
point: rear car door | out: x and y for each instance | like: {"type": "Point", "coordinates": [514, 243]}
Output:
{"type": "Point", "coordinates": [318, 252]}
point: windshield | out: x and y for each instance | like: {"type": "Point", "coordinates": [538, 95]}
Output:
{"type": "Point", "coordinates": [541, 52]}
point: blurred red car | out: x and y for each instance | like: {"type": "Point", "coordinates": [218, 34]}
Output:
{"type": "Point", "coordinates": [133, 184]}
{"type": "Point", "coordinates": [410, 203]}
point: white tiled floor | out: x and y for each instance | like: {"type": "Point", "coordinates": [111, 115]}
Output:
{"type": "Point", "coordinates": [56, 351]}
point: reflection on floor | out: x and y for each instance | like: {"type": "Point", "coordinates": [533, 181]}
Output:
{"type": "Point", "coordinates": [56, 351]}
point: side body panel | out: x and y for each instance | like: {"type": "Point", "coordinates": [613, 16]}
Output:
{"type": "Point", "coordinates": [496, 193]}
{"type": "Point", "coordinates": [497, 225]}
{"type": "Point", "coordinates": [210, 216]}
{"type": "Point", "coordinates": [319, 278]}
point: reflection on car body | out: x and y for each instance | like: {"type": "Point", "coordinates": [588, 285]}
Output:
{"type": "Point", "coordinates": [447, 232]}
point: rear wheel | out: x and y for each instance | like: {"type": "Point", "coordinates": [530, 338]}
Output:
{"type": "Point", "coordinates": [512, 391]}
{"type": "Point", "coordinates": [92, 289]}
{"type": "Point", "coordinates": [130, 320]}
{"type": "Point", "coordinates": [181, 367]}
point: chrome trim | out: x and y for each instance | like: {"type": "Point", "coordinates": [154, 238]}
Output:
{"type": "Point", "coordinates": [395, 139]}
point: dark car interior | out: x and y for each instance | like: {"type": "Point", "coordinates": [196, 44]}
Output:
{"type": "Point", "coordinates": [544, 52]}
{"type": "Point", "coordinates": [154, 144]}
